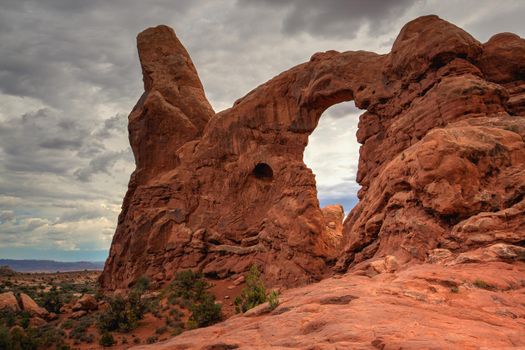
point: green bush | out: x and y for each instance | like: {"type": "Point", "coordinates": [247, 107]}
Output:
{"type": "Point", "coordinates": [7, 318]}
{"type": "Point", "coordinates": [5, 339]}
{"type": "Point", "coordinates": [52, 301]}
{"type": "Point", "coordinates": [141, 284]}
{"type": "Point", "coordinates": [24, 319]}
{"type": "Point", "coordinates": [152, 340]}
{"type": "Point", "coordinates": [47, 337]}
{"type": "Point", "coordinates": [161, 330]}
{"type": "Point", "coordinates": [253, 294]}
{"type": "Point", "coordinates": [122, 314]}
{"type": "Point", "coordinates": [190, 290]}
{"type": "Point", "coordinates": [106, 339]}
{"type": "Point", "coordinates": [479, 283]}
{"type": "Point", "coordinates": [18, 339]}
{"type": "Point", "coordinates": [205, 312]}
{"type": "Point", "coordinates": [44, 337]}
{"type": "Point", "coordinates": [188, 285]}
{"type": "Point", "coordinates": [273, 299]}
{"type": "Point", "coordinates": [79, 330]}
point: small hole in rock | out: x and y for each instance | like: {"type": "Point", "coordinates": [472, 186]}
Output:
{"type": "Point", "coordinates": [263, 171]}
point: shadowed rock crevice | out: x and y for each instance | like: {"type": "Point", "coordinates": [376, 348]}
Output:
{"type": "Point", "coordinates": [441, 160]}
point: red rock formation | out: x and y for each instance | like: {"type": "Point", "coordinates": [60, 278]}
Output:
{"type": "Point", "coordinates": [441, 164]}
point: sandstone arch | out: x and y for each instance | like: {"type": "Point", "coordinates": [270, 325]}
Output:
{"type": "Point", "coordinates": [192, 203]}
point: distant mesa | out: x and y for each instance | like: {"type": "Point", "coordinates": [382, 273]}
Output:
{"type": "Point", "coordinates": [11, 265]}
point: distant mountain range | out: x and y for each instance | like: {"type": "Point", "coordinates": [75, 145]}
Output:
{"type": "Point", "coordinates": [51, 265]}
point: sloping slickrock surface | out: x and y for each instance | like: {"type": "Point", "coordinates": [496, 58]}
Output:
{"type": "Point", "coordinates": [427, 306]}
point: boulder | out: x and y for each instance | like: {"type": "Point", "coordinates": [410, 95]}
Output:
{"type": "Point", "coordinates": [8, 302]}
{"type": "Point", "coordinates": [36, 322]}
{"type": "Point", "coordinates": [32, 307]}
{"type": "Point", "coordinates": [87, 303]}
{"type": "Point", "coordinates": [78, 314]}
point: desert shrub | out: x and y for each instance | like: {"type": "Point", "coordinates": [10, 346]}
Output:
{"type": "Point", "coordinates": [99, 294]}
{"type": "Point", "coordinates": [151, 340]}
{"type": "Point", "coordinates": [52, 301]}
{"type": "Point", "coordinates": [189, 289]}
{"type": "Point", "coordinates": [43, 337]}
{"type": "Point", "coordinates": [479, 283]}
{"type": "Point", "coordinates": [7, 318]}
{"type": "Point", "coordinates": [18, 339]}
{"type": "Point", "coordinates": [253, 294]}
{"type": "Point", "coordinates": [5, 340]}
{"type": "Point", "coordinates": [177, 330]}
{"type": "Point", "coordinates": [177, 314]}
{"type": "Point", "coordinates": [141, 284]}
{"type": "Point", "coordinates": [47, 337]}
{"type": "Point", "coordinates": [79, 330]}
{"type": "Point", "coordinates": [161, 330]}
{"type": "Point", "coordinates": [205, 312]}
{"type": "Point", "coordinates": [273, 299]}
{"type": "Point", "coordinates": [122, 314]}
{"type": "Point", "coordinates": [24, 319]}
{"type": "Point", "coordinates": [68, 324]}
{"type": "Point", "coordinates": [188, 285]}
{"type": "Point", "coordinates": [106, 339]}
{"type": "Point", "coordinates": [118, 316]}
{"type": "Point", "coordinates": [67, 287]}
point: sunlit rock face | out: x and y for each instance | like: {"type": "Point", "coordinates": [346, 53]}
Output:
{"type": "Point", "coordinates": [442, 161]}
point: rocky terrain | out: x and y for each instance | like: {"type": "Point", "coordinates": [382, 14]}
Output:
{"type": "Point", "coordinates": [433, 254]}
{"type": "Point", "coordinates": [63, 311]}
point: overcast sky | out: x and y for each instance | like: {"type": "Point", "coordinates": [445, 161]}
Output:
{"type": "Point", "coordinates": [69, 75]}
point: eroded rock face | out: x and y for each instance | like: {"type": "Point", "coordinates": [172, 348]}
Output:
{"type": "Point", "coordinates": [441, 163]}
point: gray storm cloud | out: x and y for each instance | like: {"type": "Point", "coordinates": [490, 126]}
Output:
{"type": "Point", "coordinates": [69, 75]}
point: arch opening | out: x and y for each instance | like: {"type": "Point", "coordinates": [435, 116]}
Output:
{"type": "Point", "coordinates": [332, 154]}
{"type": "Point", "coordinates": [263, 171]}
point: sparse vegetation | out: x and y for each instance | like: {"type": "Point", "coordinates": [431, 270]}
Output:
{"type": "Point", "coordinates": [52, 300]}
{"type": "Point", "coordinates": [454, 289]}
{"type": "Point", "coordinates": [141, 284]}
{"type": "Point", "coordinates": [253, 294]}
{"type": "Point", "coordinates": [151, 340]}
{"type": "Point", "coordinates": [186, 303]}
{"type": "Point", "coordinates": [78, 333]}
{"type": "Point", "coordinates": [45, 337]}
{"type": "Point", "coordinates": [189, 290]}
{"type": "Point", "coordinates": [205, 312]}
{"type": "Point", "coordinates": [122, 314]}
{"type": "Point", "coordinates": [273, 299]}
{"type": "Point", "coordinates": [161, 330]}
{"type": "Point", "coordinates": [479, 283]}
{"type": "Point", "coordinates": [106, 339]}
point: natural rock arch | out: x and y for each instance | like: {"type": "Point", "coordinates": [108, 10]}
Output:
{"type": "Point", "coordinates": [193, 202]}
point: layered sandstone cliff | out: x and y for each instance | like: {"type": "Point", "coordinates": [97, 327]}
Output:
{"type": "Point", "coordinates": [442, 162]}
